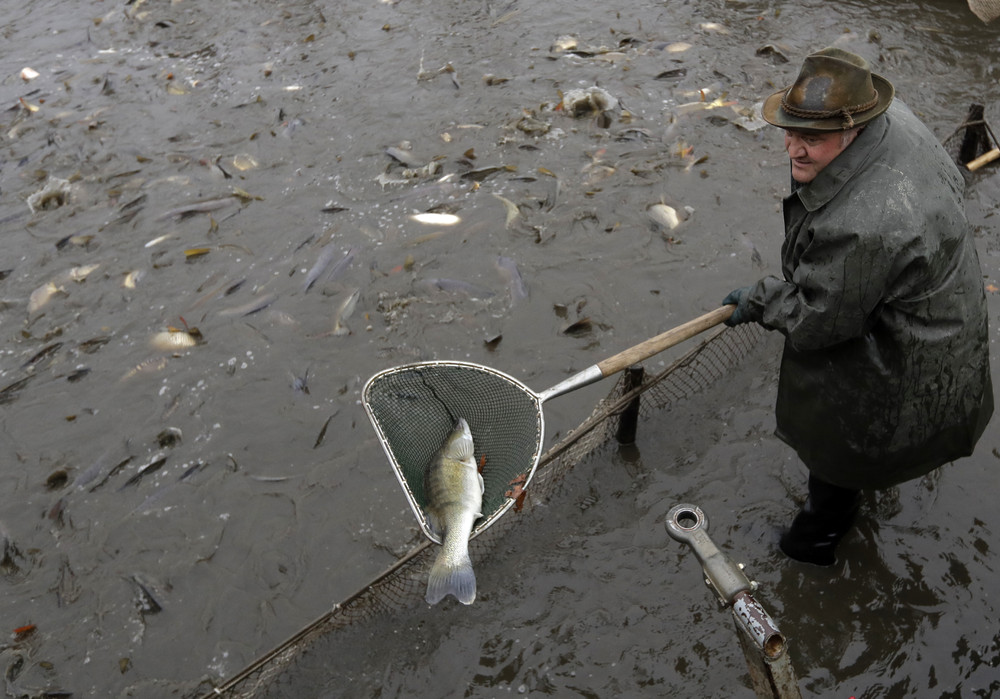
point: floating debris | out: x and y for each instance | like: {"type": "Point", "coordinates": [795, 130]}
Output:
{"type": "Point", "coordinates": [27, 106]}
{"type": "Point", "coordinates": [431, 168]}
{"type": "Point", "coordinates": [28, 74]}
{"type": "Point", "coordinates": [41, 296]}
{"type": "Point", "coordinates": [703, 105]}
{"type": "Point", "coordinates": [78, 240]}
{"type": "Point", "coordinates": [54, 194]}
{"type": "Point", "coordinates": [532, 125]}
{"type": "Point", "coordinates": [22, 632]}
{"type": "Point", "coordinates": [774, 52]}
{"type": "Point", "coordinates": [385, 179]}
{"type": "Point", "coordinates": [564, 44]}
{"type": "Point", "coordinates": [169, 437]}
{"type": "Point", "coordinates": [133, 278]}
{"type": "Point", "coordinates": [589, 101]}
{"type": "Point", "coordinates": [244, 162]}
{"type": "Point", "coordinates": [174, 339]}
{"type": "Point", "coordinates": [749, 119]}
{"type": "Point", "coordinates": [664, 215]}
{"type": "Point", "coordinates": [436, 219]}
{"type": "Point", "coordinates": [195, 253]}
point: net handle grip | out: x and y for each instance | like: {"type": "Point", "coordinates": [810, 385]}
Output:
{"type": "Point", "coordinates": [665, 340]}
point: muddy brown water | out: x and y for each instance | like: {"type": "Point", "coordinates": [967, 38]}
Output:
{"type": "Point", "coordinates": [271, 503]}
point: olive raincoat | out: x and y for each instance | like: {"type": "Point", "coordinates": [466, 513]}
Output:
{"type": "Point", "coordinates": [885, 373]}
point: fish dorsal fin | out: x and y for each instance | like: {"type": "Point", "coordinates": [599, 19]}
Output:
{"type": "Point", "coordinates": [464, 448]}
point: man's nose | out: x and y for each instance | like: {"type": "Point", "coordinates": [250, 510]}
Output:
{"type": "Point", "coordinates": [795, 147]}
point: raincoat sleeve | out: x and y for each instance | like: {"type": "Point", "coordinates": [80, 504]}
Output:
{"type": "Point", "coordinates": [834, 292]}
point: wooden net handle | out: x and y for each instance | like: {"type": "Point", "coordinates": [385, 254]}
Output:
{"type": "Point", "coordinates": [655, 345]}
{"type": "Point", "coordinates": [989, 157]}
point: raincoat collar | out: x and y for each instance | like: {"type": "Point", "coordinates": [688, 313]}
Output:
{"type": "Point", "coordinates": [834, 176]}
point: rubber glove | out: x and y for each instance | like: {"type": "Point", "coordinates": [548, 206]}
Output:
{"type": "Point", "coordinates": [742, 313]}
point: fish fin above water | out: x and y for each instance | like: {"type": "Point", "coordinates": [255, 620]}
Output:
{"type": "Point", "coordinates": [451, 577]}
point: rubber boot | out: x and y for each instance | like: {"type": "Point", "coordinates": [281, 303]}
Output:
{"type": "Point", "coordinates": [822, 522]}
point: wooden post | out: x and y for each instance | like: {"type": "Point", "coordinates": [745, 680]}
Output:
{"type": "Point", "coordinates": [629, 419]}
{"type": "Point", "coordinates": [764, 648]}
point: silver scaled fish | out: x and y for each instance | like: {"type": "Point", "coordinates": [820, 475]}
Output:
{"type": "Point", "coordinates": [454, 501]}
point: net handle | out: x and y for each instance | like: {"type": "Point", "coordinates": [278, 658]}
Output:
{"type": "Point", "coordinates": [666, 340]}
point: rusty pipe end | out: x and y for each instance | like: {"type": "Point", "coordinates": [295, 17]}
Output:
{"type": "Point", "coordinates": [754, 619]}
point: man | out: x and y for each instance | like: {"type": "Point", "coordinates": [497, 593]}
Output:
{"type": "Point", "coordinates": [885, 371]}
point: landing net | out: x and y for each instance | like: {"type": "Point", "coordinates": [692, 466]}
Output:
{"type": "Point", "coordinates": [402, 585]}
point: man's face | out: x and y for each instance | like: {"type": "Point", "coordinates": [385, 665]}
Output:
{"type": "Point", "coordinates": [811, 152]}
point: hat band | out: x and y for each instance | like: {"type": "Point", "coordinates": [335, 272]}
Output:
{"type": "Point", "coordinates": [814, 114]}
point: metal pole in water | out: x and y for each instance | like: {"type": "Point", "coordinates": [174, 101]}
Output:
{"type": "Point", "coordinates": [763, 644]}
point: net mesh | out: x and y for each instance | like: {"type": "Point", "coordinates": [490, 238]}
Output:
{"type": "Point", "coordinates": [404, 583]}
{"type": "Point", "coordinates": [971, 139]}
{"type": "Point", "coordinates": [414, 408]}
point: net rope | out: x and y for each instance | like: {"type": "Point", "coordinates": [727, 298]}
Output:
{"type": "Point", "coordinates": [403, 584]}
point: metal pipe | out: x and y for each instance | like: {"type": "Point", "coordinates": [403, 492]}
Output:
{"type": "Point", "coordinates": [762, 643]}
{"type": "Point", "coordinates": [689, 525]}
{"type": "Point", "coordinates": [758, 624]}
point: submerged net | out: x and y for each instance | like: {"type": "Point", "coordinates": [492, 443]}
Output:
{"type": "Point", "coordinates": [403, 584]}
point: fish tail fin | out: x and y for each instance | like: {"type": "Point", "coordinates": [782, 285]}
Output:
{"type": "Point", "coordinates": [450, 576]}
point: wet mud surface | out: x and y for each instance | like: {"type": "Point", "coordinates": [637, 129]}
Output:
{"type": "Point", "coordinates": [209, 246]}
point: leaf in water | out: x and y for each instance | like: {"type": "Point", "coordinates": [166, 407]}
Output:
{"type": "Point", "coordinates": [245, 196]}
{"type": "Point", "coordinates": [193, 253]}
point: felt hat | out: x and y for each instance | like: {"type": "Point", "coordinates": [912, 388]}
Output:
{"type": "Point", "coordinates": [835, 91]}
